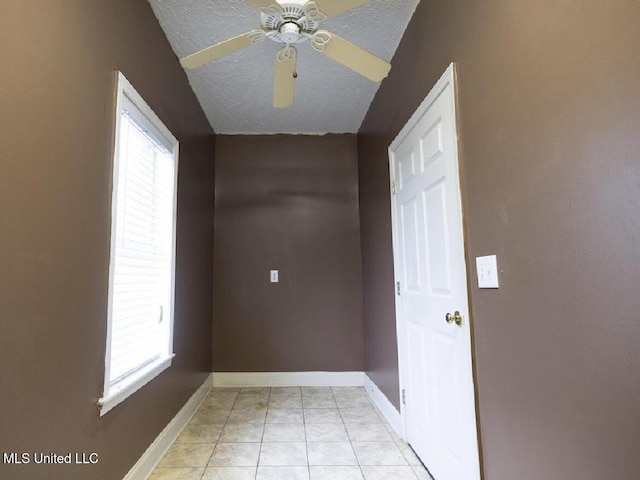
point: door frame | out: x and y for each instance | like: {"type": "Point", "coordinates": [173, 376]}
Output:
{"type": "Point", "coordinates": [448, 78]}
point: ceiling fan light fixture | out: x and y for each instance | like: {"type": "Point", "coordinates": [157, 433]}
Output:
{"type": "Point", "coordinates": [290, 33]}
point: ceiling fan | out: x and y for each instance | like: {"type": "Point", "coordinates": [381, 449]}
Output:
{"type": "Point", "coordinates": [291, 22]}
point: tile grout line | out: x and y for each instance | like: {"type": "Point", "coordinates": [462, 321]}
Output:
{"type": "Point", "coordinates": [220, 435]}
{"type": "Point", "coordinates": [264, 427]}
{"type": "Point", "coordinates": [304, 427]}
{"type": "Point", "coordinates": [354, 450]}
{"type": "Point", "coordinates": [348, 435]}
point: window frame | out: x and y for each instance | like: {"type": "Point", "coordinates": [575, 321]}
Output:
{"type": "Point", "coordinates": [126, 95]}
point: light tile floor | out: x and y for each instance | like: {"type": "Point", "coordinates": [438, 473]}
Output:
{"type": "Point", "coordinates": [289, 433]}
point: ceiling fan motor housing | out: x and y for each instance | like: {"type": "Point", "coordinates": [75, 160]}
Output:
{"type": "Point", "coordinates": [290, 32]}
{"type": "Point", "coordinates": [290, 25]}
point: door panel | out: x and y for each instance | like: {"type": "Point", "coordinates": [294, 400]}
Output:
{"type": "Point", "coordinates": [437, 239]}
{"type": "Point", "coordinates": [418, 348]}
{"type": "Point", "coordinates": [407, 167]}
{"type": "Point", "coordinates": [431, 144]}
{"type": "Point", "coordinates": [410, 233]}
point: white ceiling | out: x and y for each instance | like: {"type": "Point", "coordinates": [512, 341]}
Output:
{"type": "Point", "coordinates": [236, 91]}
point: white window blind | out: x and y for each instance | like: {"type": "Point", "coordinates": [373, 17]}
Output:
{"type": "Point", "coordinates": [142, 250]}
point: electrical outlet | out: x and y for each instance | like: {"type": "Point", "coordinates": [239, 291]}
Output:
{"type": "Point", "coordinates": [487, 272]}
{"type": "Point", "coordinates": [274, 276]}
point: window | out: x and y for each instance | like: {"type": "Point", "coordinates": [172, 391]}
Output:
{"type": "Point", "coordinates": [141, 271]}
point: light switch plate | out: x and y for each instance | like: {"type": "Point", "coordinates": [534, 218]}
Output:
{"type": "Point", "coordinates": [487, 272]}
{"type": "Point", "coordinates": [274, 276]}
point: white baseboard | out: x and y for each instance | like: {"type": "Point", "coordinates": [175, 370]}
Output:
{"type": "Point", "coordinates": [152, 456]}
{"type": "Point", "coordinates": [380, 400]}
{"type": "Point", "coordinates": [288, 379]}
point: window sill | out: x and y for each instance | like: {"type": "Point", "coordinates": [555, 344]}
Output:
{"type": "Point", "coordinates": [125, 389]}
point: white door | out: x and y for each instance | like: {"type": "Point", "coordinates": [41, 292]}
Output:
{"type": "Point", "coordinates": [435, 349]}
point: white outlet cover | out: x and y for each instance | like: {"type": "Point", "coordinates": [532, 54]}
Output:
{"type": "Point", "coordinates": [274, 276]}
{"type": "Point", "coordinates": [487, 268]}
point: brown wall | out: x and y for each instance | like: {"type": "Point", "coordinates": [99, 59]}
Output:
{"type": "Point", "coordinates": [288, 203]}
{"type": "Point", "coordinates": [56, 117]}
{"type": "Point", "coordinates": [549, 106]}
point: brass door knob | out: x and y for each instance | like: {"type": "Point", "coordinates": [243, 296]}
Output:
{"type": "Point", "coordinates": [455, 317]}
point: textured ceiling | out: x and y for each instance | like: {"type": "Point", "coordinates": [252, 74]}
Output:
{"type": "Point", "coordinates": [236, 91]}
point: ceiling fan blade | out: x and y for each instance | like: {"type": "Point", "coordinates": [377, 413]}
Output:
{"type": "Point", "coordinates": [331, 8]}
{"type": "Point", "coordinates": [351, 56]}
{"type": "Point", "coordinates": [284, 79]}
{"type": "Point", "coordinates": [222, 49]}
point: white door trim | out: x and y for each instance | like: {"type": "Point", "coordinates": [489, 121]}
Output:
{"type": "Point", "coordinates": [448, 78]}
